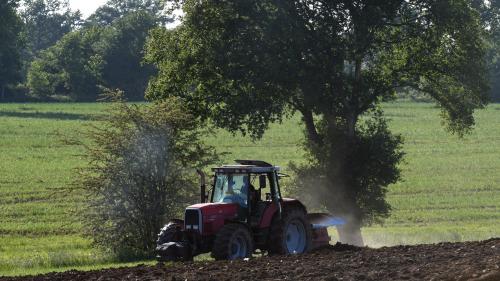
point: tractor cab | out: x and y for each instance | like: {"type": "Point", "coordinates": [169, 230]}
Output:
{"type": "Point", "coordinates": [244, 185]}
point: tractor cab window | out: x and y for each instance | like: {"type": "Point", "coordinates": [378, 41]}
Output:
{"type": "Point", "coordinates": [231, 188]}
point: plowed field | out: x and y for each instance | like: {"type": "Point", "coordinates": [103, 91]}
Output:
{"type": "Point", "coordinates": [444, 261]}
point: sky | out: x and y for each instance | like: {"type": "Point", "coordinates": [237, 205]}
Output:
{"type": "Point", "coordinates": [87, 7]}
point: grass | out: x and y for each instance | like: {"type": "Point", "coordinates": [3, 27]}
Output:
{"type": "Point", "coordinates": [450, 192]}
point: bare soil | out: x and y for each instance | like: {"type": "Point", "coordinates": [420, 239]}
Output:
{"type": "Point", "coordinates": [444, 261]}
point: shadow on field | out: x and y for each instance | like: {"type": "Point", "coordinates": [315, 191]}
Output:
{"type": "Point", "coordinates": [48, 115]}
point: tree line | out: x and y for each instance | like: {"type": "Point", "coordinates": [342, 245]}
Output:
{"type": "Point", "coordinates": [50, 53]}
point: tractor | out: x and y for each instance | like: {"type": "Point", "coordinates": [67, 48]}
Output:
{"type": "Point", "coordinates": [239, 218]}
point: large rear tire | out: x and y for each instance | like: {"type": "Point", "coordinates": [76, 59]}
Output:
{"type": "Point", "coordinates": [291, 234]}
{"type": "Point", "coordinates": [233, 241]}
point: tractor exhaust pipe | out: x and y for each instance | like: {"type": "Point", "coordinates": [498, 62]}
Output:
{"type": "Point", "coordinates": [203, 186]}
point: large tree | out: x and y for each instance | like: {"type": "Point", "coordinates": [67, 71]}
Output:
{"type": "Point", "coordinates": [123, 52]}
{"type": "Point", "coordinates": [71, 68]}
{"type": "Point", "coordinates": [46, 22]}
{"type": "Point", "coordinates": [83, 60]}
{"type": "Point", "coordinates": [10, 43]}
{"type": "Point", "coordinates": [244, 64]}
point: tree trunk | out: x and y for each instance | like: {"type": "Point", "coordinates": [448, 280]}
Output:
{"type": "Point", "coordinates": [3, 93]}
{"type": "Point", "coordinates": [340, 199]}
{"type": "Point", "coordinates": [350, 233]}
{"type": "Point", "coordinates": [341, 181]}
{"type": "Point", "coordinates": [312, 133]}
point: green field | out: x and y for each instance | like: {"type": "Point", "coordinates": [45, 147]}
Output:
{"type": "Point", "coordinates": [450, 192]}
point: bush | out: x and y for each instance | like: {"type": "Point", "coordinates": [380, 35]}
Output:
{"type": "Point", "coordinates": [140, 172]}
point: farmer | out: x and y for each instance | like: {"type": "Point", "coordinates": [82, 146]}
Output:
{"type": "Point", "coordinates": [235, 194]}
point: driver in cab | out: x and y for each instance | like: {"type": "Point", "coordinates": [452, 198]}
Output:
{"type": "Point", "coordinates": [236, 194]}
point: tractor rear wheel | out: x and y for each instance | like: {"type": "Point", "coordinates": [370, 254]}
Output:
{"type": "Point", "coordinates": [291, 234]}
{"type": "Point", "coordinates": [233, 241]}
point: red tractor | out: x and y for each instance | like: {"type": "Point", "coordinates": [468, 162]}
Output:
{"type": "Point", "coordinates": [240, 218]}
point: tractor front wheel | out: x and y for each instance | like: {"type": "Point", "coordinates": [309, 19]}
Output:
{"type": "Point", "coordinates": [291, 234]}
{"type": "Point", "coordinates": [170, 232]}
{"type": "Point", "coordinates": [233, 241]}
{"type": "Point", "coordinates": [170, 245]}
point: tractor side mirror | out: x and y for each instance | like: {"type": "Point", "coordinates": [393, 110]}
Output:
{"type": "Point", "coordinates": [262, 181]}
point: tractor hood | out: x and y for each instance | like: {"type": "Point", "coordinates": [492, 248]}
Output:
{"type": "Point", "coordinates": [214, 215]}
{"type": "Point", "coordinates": [219, 209]}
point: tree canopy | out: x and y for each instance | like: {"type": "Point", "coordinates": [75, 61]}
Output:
{"type": "Point", "coordinates": [490, 16]}
{"type": "Point", "coordinates": [10, 44]}
{"type": "Point", "coordinates": [70, 68]}
{"type": "Point", "coordinates": [433, 47]}
{"type": "Point", "coordinates": [46, 21]}
{"type": "Point", "coordinates": [244, 64]}
{"type": "Point", "coordinates": [116, 9]}
{"type": "Point", "coordinates": [85, 60]}
{"type": "Point", "coordinates": [123, 54]}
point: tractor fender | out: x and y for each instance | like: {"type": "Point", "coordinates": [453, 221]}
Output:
{"type": "Point", "coordinates": [268, 215]}
{"type": "Point", "coordinates": [272, 209]}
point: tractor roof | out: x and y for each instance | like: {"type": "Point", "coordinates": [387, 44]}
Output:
{"type": "Point", "coordinates": [247, 166]}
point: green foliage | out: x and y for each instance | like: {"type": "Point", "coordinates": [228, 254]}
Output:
{"type": "Point", "coordinates": [140, 173]}
{"type": "Point", "coordinates": [372, 161]}
{"type": "Point", "coordinates": [490, 20]}
{"type": "Point", "coordinates": [493, 20]}
{"type": "Point", "coordinates": [116, 9]}
{"type": "Point", "coordinates": [46, 22]}
{"type": "Point", "coordinates": [93, 57]}
{"type": "Point", "coordinates": [244, 64]}
{"type": "Point", "coordinates": [122, 53]}
{"type": "Point", "coordinates": [70, 68]}
{"type": "Point", "coordinates": [10, 44]}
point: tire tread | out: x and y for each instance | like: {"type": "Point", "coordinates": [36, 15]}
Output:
{"type": "Point", "coordinates": [223, 238]}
